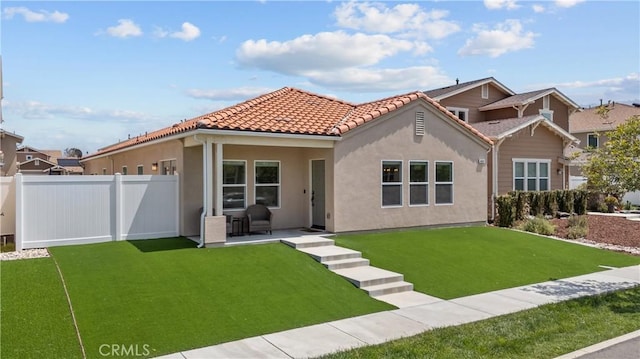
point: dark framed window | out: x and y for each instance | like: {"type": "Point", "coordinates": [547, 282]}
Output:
{"type": "Point", "coordinates": [234, 184]}
{"type": "Point", "coordinates": [418, 183]}
{"type": "Point", "coordinates": [391, 183]}
{"type": "Point", "coordinates": [267, 185]}
{"type": "Point", "coordinates": [444, 182]}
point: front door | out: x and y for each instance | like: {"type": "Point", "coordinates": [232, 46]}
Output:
{"type": "Point", "coordinates": [317, 194]}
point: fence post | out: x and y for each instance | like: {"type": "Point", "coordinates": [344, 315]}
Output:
{"type": "Point", "coordinates": [178, 204]}
{"type": "Point", "coordinates": [18, 206]}
{"type": "Point", "coordinates": [118, 205]}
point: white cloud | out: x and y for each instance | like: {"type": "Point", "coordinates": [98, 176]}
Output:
{"type": "Point", "coordinates": [505, 37]}
{"type": "Point", "coordinates": [160, 32]}
{"type": "Point", "coordinates": [189, 32]}
{"type": "Point", "coordinates": [35, 110]}
{"type": "Point", "coordinates": [633, 79]}
{"type": "Point", "coordinates": [410, 20]}
{"type": "Point", "coordinates": [380, 80]}
{"type": "Point", "coordinates": [324, 51]}
{"type": "Point", "coordinates": [538, 8]}
{"type": "Point", "coordinates": [124, 29]}
{"type": "Point", "coordinates": [234, 94]}
{"type": "Point", "coordinates": [499, 4]}
{"type": "Point", "coordinates": [567, 3]}
{"type": "Point", "coordinates": [619, 89]}
{"type": "Point", "coordinates": [36, 16]}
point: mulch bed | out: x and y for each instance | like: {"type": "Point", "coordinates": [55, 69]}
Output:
{"type": "Point", "coordinates": [606, 229]}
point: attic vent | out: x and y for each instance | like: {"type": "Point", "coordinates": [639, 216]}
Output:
{"type": "Point", "coordinates": [419, 123]}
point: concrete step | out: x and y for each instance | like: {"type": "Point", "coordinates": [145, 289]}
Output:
{"type": "Point", "coordinates": [307, 242]}
{"type": "Point", "coordinates": [388, 288]}
{"type": "Point", "coordinates": [330, 253]}
{"type": "Point", "coordinates": [346, 263]}
{"type": "Point", "coordinates": [369, 276]}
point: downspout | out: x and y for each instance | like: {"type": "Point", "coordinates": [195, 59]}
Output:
{"type": "Point", "coordinates": [494, 178]}
{"type": "Point", "coordinates": [204, 188]}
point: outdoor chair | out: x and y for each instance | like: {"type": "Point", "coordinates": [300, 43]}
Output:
{"type": "Point", "coordinates": [259, 217]}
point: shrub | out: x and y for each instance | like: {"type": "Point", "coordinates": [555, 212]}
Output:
{"type": "Point", "coordinates": [578, 221]}
{"type": "Point", "coordinates": [580, 201]}
{"type": "Point", "coordinates": [538, 225]}
{"type": "Point", "coordinates": [506, 210]}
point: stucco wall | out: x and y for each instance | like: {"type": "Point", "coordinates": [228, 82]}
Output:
{"type": "Point", "coordinates": [358, 163]}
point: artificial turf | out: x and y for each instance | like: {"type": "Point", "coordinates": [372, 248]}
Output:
{"type": "Point", "coordinates": [35, 321]}
{"type": "Point", "coordinates": [162, 296]}
{"type": "Point", "coordinates": [456, 262]}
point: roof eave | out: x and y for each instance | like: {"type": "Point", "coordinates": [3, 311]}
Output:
{"type": "Point", "coordinates": [474, 85]}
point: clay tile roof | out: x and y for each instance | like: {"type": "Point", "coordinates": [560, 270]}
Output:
{"type": "Point", "coordinates": [290, 111]}
{"type": "Point", "coordinates": [588, 120]}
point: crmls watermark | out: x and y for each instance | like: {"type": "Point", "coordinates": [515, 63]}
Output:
{"type": "Point", "coordinates": [124, 350]}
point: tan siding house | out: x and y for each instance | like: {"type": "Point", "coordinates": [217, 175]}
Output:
{"type": "Point", "coordinates": [8, 146]}
{"type": "Point", "coordinates": [530, 132]}
{"type": "Point", "coordinates": [317, 162]}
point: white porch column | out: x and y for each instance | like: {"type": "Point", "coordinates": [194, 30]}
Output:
{"type": "Point", "coordinates": [218, 196]}
{"type": "Point", "coordinates": [209, 176]}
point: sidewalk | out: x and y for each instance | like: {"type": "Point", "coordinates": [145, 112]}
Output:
{"type": "Point", "coordinates": [376, 328]}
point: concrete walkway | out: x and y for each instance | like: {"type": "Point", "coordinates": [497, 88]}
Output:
{"type": "Point", "coordinates": [376, 328]}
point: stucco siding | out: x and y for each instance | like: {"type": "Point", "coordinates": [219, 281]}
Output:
{"type": "Point", "coordinates": [544, 145]}
{"type": "Point", "coordinates": [358, 161]}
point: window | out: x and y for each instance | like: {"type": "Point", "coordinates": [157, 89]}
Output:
{"type": "Point", "coordinates": [29, 157]}
{"type": "Point", "coordinates": [461, 113]}
{"type": "Point", "coordinates": [124, 170]}
{"type": "Point", "coordinates": [391, 183]}
{"type": "Point", "coordinates": [592, 140]}
{"type": "Point", "coordinates": [168, 167]}
{"type": "Point", "coordinates": [444, 182]}
{"type": "Point", "coordinates": [419, 123]}
{"type": "Point", "coordinates": [548, 114]}
{"type": "Point", "coordinates": [104, 171]}
{"type": "Point", "coordinates": [485, 91]}
{"type": "Point", "coordinates": [234, 184]}
{"type": "Point", "coordinates": [531, 175]}
{"type": "Point", "coordinates": [267, 183]}
{"type": "Point", "coordinates": [140, 170]}
{"type": "Point", "coordinates": [418, 183]}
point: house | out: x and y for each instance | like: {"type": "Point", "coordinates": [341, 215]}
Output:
{"type": "Point", "coordinates": [8, 146]}
{"type": "Point", "coordinates": [530, 132]}
{"type": "Point", "coordinates": [316, 161]}
{"type": "Point", "coordinates": [592, 130]}
{"type": "Point", "coordinates": [32, 161]}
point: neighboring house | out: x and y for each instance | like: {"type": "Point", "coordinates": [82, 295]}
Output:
{"type": "Point", "coordinates": [530, 132]}
{"type": "Point", "coordinates": [32, 161]}
{"type": "Point", "coordinates": [316, 161]}
{"type": "Point", "coordinates": [592, 130]}
{"type": "Point", "coordinates": [8, 146]}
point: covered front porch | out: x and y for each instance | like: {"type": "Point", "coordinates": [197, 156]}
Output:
{"type": "Point", "coordinates": [292, 175]}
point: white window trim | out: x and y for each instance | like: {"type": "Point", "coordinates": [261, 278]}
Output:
{"type": "Point", "coordinates": [436, 183]}
{"type": "Point", "coordinates": [456, 111]}
{"type": "Point", "coordinates": [485, 91]}
{"type": "Point", "coordinates": [543, 111]}
{"type": "Point", "coordinates": [525, 177]}
{"type": "Point", "coordinates": [138, 169]}
{"type": "Point", "coordinates": [595, 135]}
{"type": "Point", "coordinates": [36, 162]}
{"type": "Point", "coordinates": [279, 184]}
{"type": "Point", "coordinates": [244, 206]}
{"type": "Point", "coordinates": [546, 102]}
{"type": "Point", "coordinates": [420, 183]}
{"type": "Point", "coordinates": [383, 183]}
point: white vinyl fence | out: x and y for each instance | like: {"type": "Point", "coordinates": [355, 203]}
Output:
{"type": "Point", "coordinates": [633, 197]}
{"type": "Point", "coordinates": [63, 210]}
{"type": "Point", "coordinates": [7, 206]}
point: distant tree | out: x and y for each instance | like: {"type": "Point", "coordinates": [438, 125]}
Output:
{"type": "Point", "coordinates": [614, 167]}
{"type": "Point", "coordinates": [73, 152]}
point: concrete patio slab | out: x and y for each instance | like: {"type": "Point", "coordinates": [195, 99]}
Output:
{"type": "Point", "coordinates": [256, 347]}
{"type": "Point", "coordinates": [408, 299]}
{"type": "Point", "coordinates": [494, 303]}
{"type": "Point", "coordinates": [313, 341]}
{"type": "Point", "coordinates": [442, 314]}
{"type": "Point", "coordinates": [380, 327]}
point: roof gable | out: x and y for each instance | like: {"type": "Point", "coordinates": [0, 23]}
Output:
{"type": "Point", "coordinates": [445, 92]}
{"type": "Point", "coordinates": [499, 129]}
{"type": "Point", "coordinates": [10, 134]}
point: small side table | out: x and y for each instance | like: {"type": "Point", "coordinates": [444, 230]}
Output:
{"type": "Point", "coordinates": [237, 226]}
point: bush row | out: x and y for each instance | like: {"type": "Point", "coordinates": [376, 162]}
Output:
{"type": "Point", "coordinates": [517, 205]}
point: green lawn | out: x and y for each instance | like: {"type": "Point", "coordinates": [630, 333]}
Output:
{"type": "Point", "coordinates": [456, 262]}
{"type": "Point", "coordinates": [544, 332]}
{"type": "Point", "coordinates": [170, 296]}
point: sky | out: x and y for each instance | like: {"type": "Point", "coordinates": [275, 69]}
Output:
{"type": "Point", "coordinates": [87, 74]}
